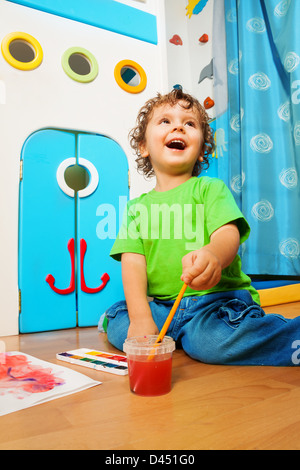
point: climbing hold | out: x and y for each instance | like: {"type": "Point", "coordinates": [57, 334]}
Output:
{"type": "Point", "coordinates": [208, 103]}
{"type": "Point", "coordinates": [204, 38]}
{"type": "Point", "coordinates": [207, 72]}
{"type": "Point", "coordinates": [176, 40]}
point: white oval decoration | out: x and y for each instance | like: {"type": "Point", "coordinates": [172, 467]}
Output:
{"type": "Point", "coordinates": [60, 176]}
{"type": "Point", "coordinates": [94, 177]}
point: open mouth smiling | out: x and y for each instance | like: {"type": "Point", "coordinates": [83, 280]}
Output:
{"type": "Point", "coordinates": [176, 144]}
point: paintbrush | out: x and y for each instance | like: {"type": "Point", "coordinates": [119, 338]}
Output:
{"type": "Point", "coordinates": [168, 320]}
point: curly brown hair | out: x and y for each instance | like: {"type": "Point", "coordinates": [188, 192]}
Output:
{"type": "Point", "coordinates": [137, 134]}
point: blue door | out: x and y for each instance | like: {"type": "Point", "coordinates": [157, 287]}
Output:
{"type": "Point", "coordinates": [98, 222]}
{"type": "Point", "coordinates": [66, 277]}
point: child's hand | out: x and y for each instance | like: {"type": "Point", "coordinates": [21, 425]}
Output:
{"type": "Point", "coordinates": [201, 269]}
{"type": "Point", "coordinates": [145, 326]}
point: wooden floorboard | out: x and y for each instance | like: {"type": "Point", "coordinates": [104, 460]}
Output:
{"type": "Point", "coordinates": [209, 407]}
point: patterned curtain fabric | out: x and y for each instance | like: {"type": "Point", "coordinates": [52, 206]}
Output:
{"type": "Point", "coordinates": [258, 127]}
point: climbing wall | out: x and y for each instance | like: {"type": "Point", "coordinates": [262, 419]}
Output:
{"type": "Point", "coordinates": [189, 54]}
{"type": "Point", "coordinates": [189, 48]}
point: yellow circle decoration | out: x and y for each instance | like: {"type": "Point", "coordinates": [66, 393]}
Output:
{"type": "Point", "coordinates": [26, 39]}
{"type": "Point", "coordinates": [130, 64]}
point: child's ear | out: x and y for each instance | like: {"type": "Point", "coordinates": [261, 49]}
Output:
{"type": "Point", "coordinates": [201, 156]}
{"type": "Point", "coordinates": [143, 150]}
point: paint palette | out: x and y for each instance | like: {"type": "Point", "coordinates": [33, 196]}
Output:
{"type": "Point", "coordinates": [99, 360]}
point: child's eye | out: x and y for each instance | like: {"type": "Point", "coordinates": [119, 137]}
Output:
{"type": "Point", "coordinates": [190, 123]}
{"type": "Point", "coordinates": [165, 121]}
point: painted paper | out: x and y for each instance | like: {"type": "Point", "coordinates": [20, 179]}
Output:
{"type": "Point", "coordinates": [27, 381]}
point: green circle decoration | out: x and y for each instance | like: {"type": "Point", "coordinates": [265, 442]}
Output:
{"type": "Point", "coordinates": [88, 56]}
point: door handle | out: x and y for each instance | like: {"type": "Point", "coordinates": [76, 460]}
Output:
{"type": "Point", "coordinates": [104, 278]}
{"type": "Point", "coordinates": [50, 279]}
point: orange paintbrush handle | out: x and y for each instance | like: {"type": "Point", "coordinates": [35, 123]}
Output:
{"type": "Point", "coordinates": [171, 314]}
{"type": "Point", "coordinates": [168, 321]}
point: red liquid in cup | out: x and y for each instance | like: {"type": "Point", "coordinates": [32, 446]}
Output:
{"type": "Point", "coordinates": [150, 377]}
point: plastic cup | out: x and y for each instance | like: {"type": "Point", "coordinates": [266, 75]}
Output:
{"type": "Point", "coordinates": [149, 365]}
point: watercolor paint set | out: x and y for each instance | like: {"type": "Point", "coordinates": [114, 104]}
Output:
{"type": "Point", "coordinates": [99, 360]}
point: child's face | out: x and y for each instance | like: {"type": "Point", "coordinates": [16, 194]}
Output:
{"type": "Point", "coordinates": [173, 140]}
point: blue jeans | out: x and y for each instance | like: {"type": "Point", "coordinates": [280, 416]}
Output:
{"type": "Point", "coordinates": [222, 328]}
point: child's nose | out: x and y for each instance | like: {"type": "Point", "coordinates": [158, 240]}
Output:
{"type": "Point", "coordinates": [178, 127]}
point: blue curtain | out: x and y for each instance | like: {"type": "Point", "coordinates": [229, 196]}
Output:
{"type": "Point", "coordinates": [258, 131]}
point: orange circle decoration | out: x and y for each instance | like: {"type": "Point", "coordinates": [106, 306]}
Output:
{"type": "Point", "coordinates": [28, 40]}
{"type": "Point", "coordinates": [130, 64]}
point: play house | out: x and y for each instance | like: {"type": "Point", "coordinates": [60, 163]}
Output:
{"type": "Point", "coordinates": [73, 76]}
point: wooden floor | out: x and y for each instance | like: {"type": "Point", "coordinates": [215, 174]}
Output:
{"type": "Point", "coordinates": [209, 407]}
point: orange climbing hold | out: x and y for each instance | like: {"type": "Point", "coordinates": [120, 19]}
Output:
{"type": "Point", "coordinates": [204, 38]}
{"type": "Point", "coordinates": [208, 103]}
{"type": "Point", "coordinates": [176, 40]}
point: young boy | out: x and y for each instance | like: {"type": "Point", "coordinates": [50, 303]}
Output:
{"type": "Point", "coordinates": [189, 229]}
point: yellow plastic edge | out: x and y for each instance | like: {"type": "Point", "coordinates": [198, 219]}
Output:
{"type": "Point", "coordinates": [129, 88]}
{"type": "Point", "coordinates": [279, 295]}
{"type": "Point", "coordinates": [16, 63]}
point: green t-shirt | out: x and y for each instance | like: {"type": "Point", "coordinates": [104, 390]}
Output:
{"type": "Point", "coordinates": [165, 226]}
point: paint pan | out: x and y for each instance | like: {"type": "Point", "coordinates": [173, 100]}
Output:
{"type": "Point", "coordinates": [98, 360]}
